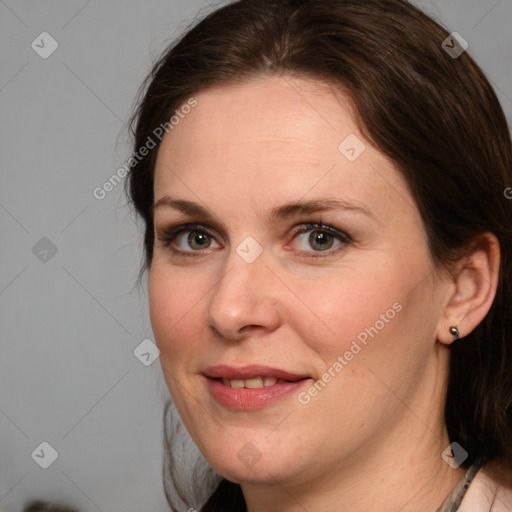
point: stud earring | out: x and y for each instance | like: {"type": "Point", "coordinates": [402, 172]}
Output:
{"type": "Point", "coordinates": [454, 331]}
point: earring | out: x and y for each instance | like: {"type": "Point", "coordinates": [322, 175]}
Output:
{"type": "Point", "coordinates": [454, 331]}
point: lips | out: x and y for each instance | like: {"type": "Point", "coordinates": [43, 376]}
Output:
{"type": "Point", "coordinates": [251, 387]}
{"type": "Point", "coordinates": [251, 372]}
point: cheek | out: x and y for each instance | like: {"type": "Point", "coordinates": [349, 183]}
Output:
{"type": "Point", "coordinates": [353, 305]}
{"type": "Point", "coordinates": [359, 341]}
{"type": "Point", "coordinates": [174, 305]}
{"type": "Point", "coordinates": [370, 320]}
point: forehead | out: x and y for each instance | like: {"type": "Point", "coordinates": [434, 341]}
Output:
{"type": "Point", "coordinates": [286, 116]}
{"type": "Point", "coordinates": [268, 139]}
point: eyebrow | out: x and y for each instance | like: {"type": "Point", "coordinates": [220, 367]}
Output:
{"type": "Point", "coordinates": [276, 214]}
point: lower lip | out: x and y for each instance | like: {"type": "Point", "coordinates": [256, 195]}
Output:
{"type": "Point", "coordinates": [244, 399]}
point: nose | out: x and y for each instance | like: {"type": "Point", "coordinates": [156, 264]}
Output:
{"type": "Point", "coordinates": [246, 299]}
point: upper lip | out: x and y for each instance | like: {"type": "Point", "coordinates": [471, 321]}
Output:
{"type": "Point", "coordinates": [223, 371]}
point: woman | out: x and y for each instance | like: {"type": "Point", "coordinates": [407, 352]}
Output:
{"type": "Point", "coordinates": [328, 247]}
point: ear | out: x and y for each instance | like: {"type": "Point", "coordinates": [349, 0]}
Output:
{"type": "Point", "coordinates": [472, 288]}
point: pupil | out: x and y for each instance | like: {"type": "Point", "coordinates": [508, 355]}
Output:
{"type": "Point", "coordinates": [199, 239]}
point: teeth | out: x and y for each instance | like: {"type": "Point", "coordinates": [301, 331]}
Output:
{"type": "Point", "coordinates": [254, 383]}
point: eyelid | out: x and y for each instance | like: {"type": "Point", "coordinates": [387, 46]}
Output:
{"type": "Point", "coordinates": [319, 226]}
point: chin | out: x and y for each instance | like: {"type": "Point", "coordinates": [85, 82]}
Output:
{"type": "Point", "coordinates": [252, 458]}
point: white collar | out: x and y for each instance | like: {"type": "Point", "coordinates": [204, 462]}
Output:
{"type": "Point", "coordinates": [479, 493]}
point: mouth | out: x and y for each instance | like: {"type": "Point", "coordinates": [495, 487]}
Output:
{"type": "Point", "coordinates": [253, 383]}
{"type": "Point", "coordinates": [252, 387]}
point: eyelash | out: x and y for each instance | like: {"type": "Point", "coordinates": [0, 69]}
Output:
{"type": "Point", "coordinates": [170, 234]}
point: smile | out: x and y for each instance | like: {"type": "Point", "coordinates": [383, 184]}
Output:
{"type": "Point", "coordinates": [251, 387]}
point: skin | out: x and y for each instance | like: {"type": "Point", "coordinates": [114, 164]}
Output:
{"type": "Point", "coordinates": [372, 438]}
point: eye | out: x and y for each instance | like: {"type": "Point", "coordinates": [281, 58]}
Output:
{"type": "Point", "coordinates": [188, 238]}
{"type": "Point", "coordinates": [320, 238]}
{"type": "Point", "coordinates": [192, 239]}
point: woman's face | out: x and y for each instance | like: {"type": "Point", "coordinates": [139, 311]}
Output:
{"type": "Point", "coordinates": [257, 301]}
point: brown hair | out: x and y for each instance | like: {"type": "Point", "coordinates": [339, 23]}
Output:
{"type": "Point", "coordinates": [44, 506]}
{"type": "Point", "coordinates": [436, 117]}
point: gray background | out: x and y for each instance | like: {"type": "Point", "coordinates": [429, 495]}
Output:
{"type": "Point", "coordinates": [70, 324]}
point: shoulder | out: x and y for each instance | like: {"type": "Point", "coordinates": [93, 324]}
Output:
{"type": "Point", "coordinates": [486, 495]}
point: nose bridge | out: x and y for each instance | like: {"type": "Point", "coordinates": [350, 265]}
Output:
{"type": "Point", "coordinates": [244, 296]}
